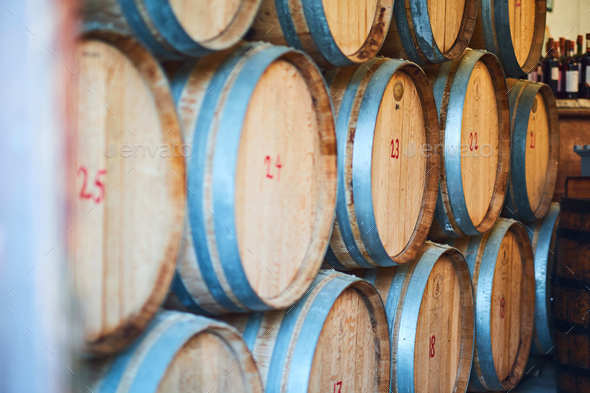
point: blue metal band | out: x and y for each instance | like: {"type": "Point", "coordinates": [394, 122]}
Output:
{"type": "Point", "coordinates": [180, 80]}
{"type": "Point", "coordinates": [399, 8]}
{"type": "Point", "coordinates": [392, 303]}
{"type": "Point", "coordinates": [342, 130]}
{"type": "Point", "coordinates": [504, 37]}
{"type": "Point", "coordinates": [487, 24]}
{"type": "Point", "coordinates": [321, 34]}
{"type": "Point", "coordinates": [184, 296]}
{"type": "Point", "coordinates": [156, 361]}
{"type": "Point", "coordinates": [195, 177]}
{"type": "Point", "coordinates": [439, 86]}
{"type": "Point", "coordinates": [287, 25]}
{"type": "Point", "coordinates": [521, 104]}
{"type": "Point", "coordinates": [332, 260]}
{"type": "Point", "coordinates": [423, 32]}
{"type": "Point", "coordinates": [167, 24]}
{"type": "Point", "coordinates": [251, 330]}
{"type": "Point", "coordinates": [543, 269]}
{"type": "Point", "coordinates": [409, 318]}
{"type": "Point", "coordinates": [362, 161]}
{"type": "Point", "coordinates": [154, 364]}
{"type": "Point", "coordinates": [453, 131]}
{"type": "Point", "coordinates": [225, 158]}
{"type": "Point", "coordinates": [483, 300]}
{"type": "Point", "coordinates": [142, 31]}
{"type": "Point", "coordinates": [302, 358]}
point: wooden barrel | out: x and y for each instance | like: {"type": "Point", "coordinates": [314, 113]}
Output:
{"type": "Point", "coordinates": [175, 29]}
{"type": "Point", "coordinates": [543, 237]}
{"type": "Point", "coordinates": [502, 271]}
{"type": "Point", "coordinates": [261, 179]}
{"type": "Point", "coordinates": [179, 353]}
{"type": "Point", "coordinates": [430, 310]}
{"type": "Point", "coordinates": [470, 95]}
{"type": "Point", "coordinates": [386, 117]}
{"type": "Point", "coordinates": [574, 253]}
{"type": "Point", "coordinates": [571, 380]}
{"type": "Point", "coordinates": [572, 334]}
{"type": "Point", "coordinates": [334, 340]}
{"type": "Point", "coordinates": [336, 32]}
{"type": "Point", "coordinates": [130, 196]}
{"type": "Point", "coordinates": [535, 150]}
{"type": "Point", "coordinates": [430, 31]}
{"type": "Point", "coordinates": [514, 31]}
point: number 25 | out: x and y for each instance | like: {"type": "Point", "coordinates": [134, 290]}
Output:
{"type": "Point", "coordinates": [84, 194]}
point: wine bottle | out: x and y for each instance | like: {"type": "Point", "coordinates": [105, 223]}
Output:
{"type": "Point", "coordinates": [562, 63]}
{"type": "Point", "coordinates": [579, 56]}
{"type": "Point", "coordinates": [572, 76]}
{"type": "Point", "coordinates": [585, 92]}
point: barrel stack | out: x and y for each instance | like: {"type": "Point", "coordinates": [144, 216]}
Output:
{"type": "Point", "coordinates": [281, 144]}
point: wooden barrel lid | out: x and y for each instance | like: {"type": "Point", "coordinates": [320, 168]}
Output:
{"type": "Point", "coordinates": [350, 22]}
{"type": "Point", "coordinates": [474, 114]}
{"type": "Point", "coordinates": [514, 31]}
{"type": "Point", "coordinates": [398, 164]}
{"type": "Point", "coordinates": [479, 143]}
{"type": "Point", "coordinates": [506, 303]}
{"type": "Point", "coordinates": [278, 179]}
{"type": "Point", "coordinates": [218, 24]}
{"type": "Point", "coordinates": [206, 363]}
{"type": "Point", "coordinates": [521, 14]}
{"type": "Point", "coordinates": [335, 339]}
{"type": "Point", "coordinates": [338, 365]}
{"type": "Point", "coordinates": [204, 20]}
{"type": "Point", "coordinates": [387, 129]}
{"type": "Point", "coordinates": [446, 20]}
{"type": "Point", "coordinates": [131, 196]}
{"type": "Point", "coordinates": [537, 151]}
{"type": "Point", "coordinates": [261, 179]}
{"type": "Point", "coordinates": [438, 334]}
{"type": "Point", "coordinates": [178, 352]}
{"type": "Point", "coordinates": [430, 309]}
{"type": "Point", "coordinates": [502, 268]}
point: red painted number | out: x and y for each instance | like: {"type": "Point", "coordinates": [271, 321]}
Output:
{"type": "Point", "coordinates": [473, 141]}
{"type": "Point", "coordinates": [84, 193]}
{"type": "Point", "coordinates": [532, 146]}
{"type": "Point", "coordinates": [277, 165]}
{"type": "Point", "coordinates": [517, 3]}
{"type": "Point", "coordinates": [338, 387]}
{"type": "Point", "coordinates": [395, 148]}
{"type": "Point", "coordinates": [431, 351]}
{"type": "Point", "coordinates": [502, 307]}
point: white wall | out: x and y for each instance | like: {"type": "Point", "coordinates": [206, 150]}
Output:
{"type": "Point", "coordinates": [568, 19]}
